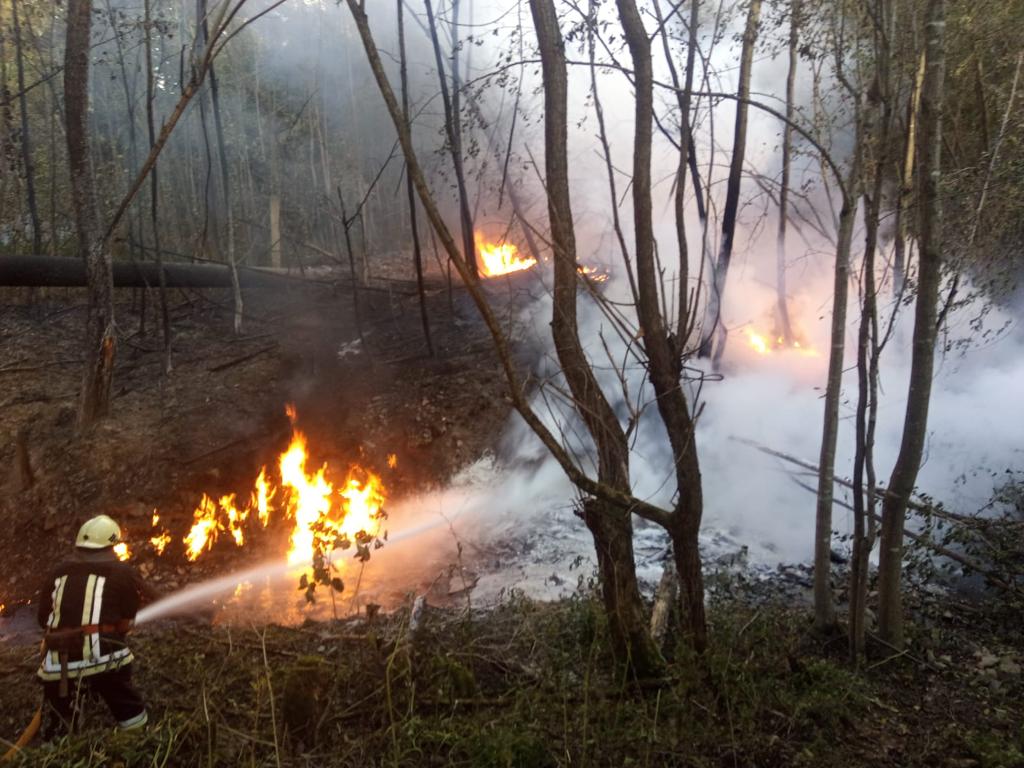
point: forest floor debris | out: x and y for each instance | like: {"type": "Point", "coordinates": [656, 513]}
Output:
{"type": "Point", "coordinates": [219, 416]}
{"type": "Point", "coordinates": [531, 684]}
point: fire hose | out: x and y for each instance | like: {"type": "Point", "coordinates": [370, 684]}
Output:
{"type": "Point", "coordinates": [27, 735]}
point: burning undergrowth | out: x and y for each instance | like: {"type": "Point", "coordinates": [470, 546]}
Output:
{"type": "Point", "coordinates": [323, 513]}
{"type": "Point", "coordinates": [503, 257]}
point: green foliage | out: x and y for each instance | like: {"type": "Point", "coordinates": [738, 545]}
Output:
{"type": "Point", "coordinates": [992, 540]}
{"type": "Point", "coordinates": [994, 750]}
{"type": "Point", "coordinates": [174, 740]}
{"type": "Point", "coordinates": [302, 697]}
{"type": "Point", "coordinates": [504, 746]}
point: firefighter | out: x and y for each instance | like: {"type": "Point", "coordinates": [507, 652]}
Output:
{"type": "Point", "coordinates": [86, 606]}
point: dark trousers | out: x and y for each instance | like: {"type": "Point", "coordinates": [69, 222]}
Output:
{"type": "Point", "coordinates": [115, 688]}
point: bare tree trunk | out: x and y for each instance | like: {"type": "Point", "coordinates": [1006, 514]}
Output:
{"type": "Point", "coordinates": [453, 128]}
{"type": "Point", "coordinates": [665, 365]}
{"type": "Point", "coordinates": [824, 609]}
{"type": "Point", "coordinates": [101, 338]}
{"type": "Point", "coordinates": [713, 319]}
{"type": "Point", "coordinates": [8, 169]}
{"type": "Point", "coordinates": [275, 231]}
{"type": "Point", "coordinates": [782, 303]}
{"type": "Point", "coordinates": [135, 236]}
{"type": "Point", "coordinates": [55, 111]}
{"type": "Point", "coordinates": [154, 194]}
{"type": "Point", "coordinates": [903, 210]}
{"type": "Point", "coordinates": [204, 230]}
{"type": "Point", "coordinates": [611, 528]}
{"type": "Point", "coordinates": [904, 473]}
{"type": "Point", "coordinates": [683, 98]}
{"type": "Point", "coordinates": [346, 225]}
{"type": "Point", "coordinates": [864, 498]}
{"type": "Point", "coordinates": [625, 617]}
{"type": "Point", "coordinates": [225, 176]}
{"type": "Point", "coordinates": [879, 169]}
{"type": "Point", "coordinates": [26, 143]}
{"type": "Point", "coordinates": [417, 254]}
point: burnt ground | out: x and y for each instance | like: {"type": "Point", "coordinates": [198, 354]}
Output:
{"type": "Point", "coordinates": [219, 416]}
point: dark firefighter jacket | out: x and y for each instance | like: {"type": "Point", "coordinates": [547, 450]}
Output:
{"type": "Point", "coordinates": [88, 602]}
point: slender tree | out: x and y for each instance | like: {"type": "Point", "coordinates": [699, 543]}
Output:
{"type": "Point", "coordinates": [26, 134]}
{"type": "Point", "coordinates": [781, 301]}
{"type": "Point", "coordinates": [417, 255]}
{"type": "Point", "coordinates": [929, 276]}
{"type": "Point", "coordinates": [713, 327]}
{"type": "Point", "coordinates": [203, 34]}
{"type": "Point", "coordinates": [101, 336]}
{"type": "Point", "coordinates": [663, 351]}
{"type": "Point", "coordinates": [154, 190]}
{"type": "Point", "coordinates": [453, 130]}
{"type": "Point", "coordinates": [611, 527]}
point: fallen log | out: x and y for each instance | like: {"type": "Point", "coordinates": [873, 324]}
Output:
{"type": "Point", "coordinates": [63, 272]}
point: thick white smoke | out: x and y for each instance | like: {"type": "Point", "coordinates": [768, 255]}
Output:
{"type": "Point", "coordinates": [513, 512]}
{"type": "Point", "coordinates": [775, 399]}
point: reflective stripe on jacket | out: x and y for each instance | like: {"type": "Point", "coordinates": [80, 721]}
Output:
{"type": "Point", "coordinates": [85, 605]}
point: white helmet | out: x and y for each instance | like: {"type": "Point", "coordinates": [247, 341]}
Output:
{"type": "Point", "coordinates": [98, 533]}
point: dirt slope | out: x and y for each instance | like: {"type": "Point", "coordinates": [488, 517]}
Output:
{"type": "Point", "coordinates": [220, 414]}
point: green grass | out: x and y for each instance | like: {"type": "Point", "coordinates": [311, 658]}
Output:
{"type": "Point", "coordinates": [525, 684]}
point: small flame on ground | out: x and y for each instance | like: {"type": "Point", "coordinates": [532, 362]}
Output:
{"type": "Point", "coordinates": [310, 498]}
{"type": "Point", "coordinates": [262, 497]}
{"type": "Point", "coordinates": [205, 528]}
{"type": "Point", "coordinates": [160, 540]}
{"type": "Point", "coordinates": [500, 258]}
{"type": "Point", "coordinates": [122, 551]}
{"type": "Point", "coordinates": [242, 587]}
{"type": "Point", "coordinates": [765, 344]}
{"type": "Point", "coordinates": [392, 461]}
{"type": "Point", "coordinates": [593, 273]}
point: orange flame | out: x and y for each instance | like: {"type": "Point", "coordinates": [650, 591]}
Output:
{"type": "Point", "coordinates": [159, 541]}
{"type": "Point", "coordinates": [500, 258]}
{"type": "Point", "coordinates": [765, 345]}
{"type": "Point", "coordinates": [261, 497]}
{"type": "Point", "coordinates": [122, 551]}
{"type": "Point", "coordinates": [310, 498]}
{"type": "Point", "coordinates": [322, 516]}
{"type": "Point", "coordinates": [593, 273]}
{"type": "Point", "coordinates": [320, 520]}
{"type": "Point", "coordinates": [235, 518]}
{"type": "Point", "coordinates": [205, 528]}
{"type": "Point", "coordinates": [392, 461]}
